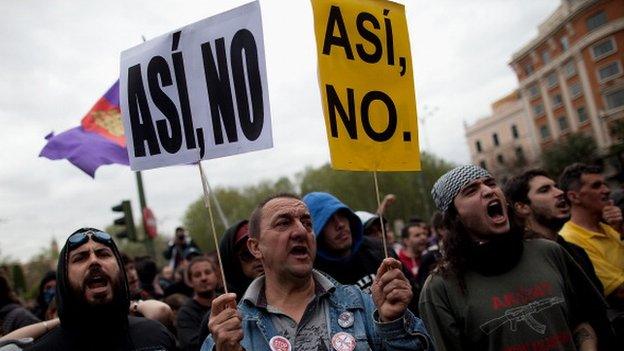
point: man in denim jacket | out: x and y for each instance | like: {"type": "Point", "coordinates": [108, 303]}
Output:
{"type": "Point", "coordinates": [293, 307]}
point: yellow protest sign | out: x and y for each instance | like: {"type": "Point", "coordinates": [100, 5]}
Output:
{"type": "Point", "coordinates": [367, 85]}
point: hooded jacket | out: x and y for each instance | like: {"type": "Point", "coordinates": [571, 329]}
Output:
{"type": "Point", "coordinates": [108, 327]}
{"type": "Point", "coordinates": [236, 279]}
{"type": "Point", "coordinates": [322, 207]}
{"type": "Point", "coordinates": [366, 254]}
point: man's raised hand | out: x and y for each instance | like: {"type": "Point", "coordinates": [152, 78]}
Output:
{"type": "Point", "coordinates": [391, 291]}
{"type": "Point", "coordinates": [225, 323]}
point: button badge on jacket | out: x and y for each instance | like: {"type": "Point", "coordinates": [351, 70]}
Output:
{"type": "Point", "coordinates": [345, 319]}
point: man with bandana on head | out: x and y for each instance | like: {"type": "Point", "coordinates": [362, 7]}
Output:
{"type": "Point", "coordinates": [93, 301]}
{"type": "Point", "coordinates": [494, 291]}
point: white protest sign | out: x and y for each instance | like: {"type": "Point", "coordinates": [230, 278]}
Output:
{"type": "Point", "coordinates": [199, 92]}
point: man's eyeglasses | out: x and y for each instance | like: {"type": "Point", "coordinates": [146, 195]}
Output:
{"type": "Point", "coordinates": [80, 238]}
{"type": "Point", "coordinates": [246, 256]}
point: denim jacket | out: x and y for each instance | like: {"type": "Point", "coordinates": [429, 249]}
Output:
{"type": "Point", "coordinates": [406, 333]}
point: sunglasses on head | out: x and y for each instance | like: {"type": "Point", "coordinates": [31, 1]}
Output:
{"type": "Point", "coordinates": [80, 238]}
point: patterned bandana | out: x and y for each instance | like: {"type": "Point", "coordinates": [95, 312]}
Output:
{"type": "Point", "coordinates": [448, 186]}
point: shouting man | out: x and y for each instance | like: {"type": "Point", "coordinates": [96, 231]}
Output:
{"type": "Point", "coordinates": [486, 293]}
{"type": "Point", "coordinates": [293, 307]}
{"type": "Point", "coordinates": [93, 301]}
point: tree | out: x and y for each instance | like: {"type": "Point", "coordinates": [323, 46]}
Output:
{"type": "Point", "coordinates": [577, 147]}
{"type": "Point", "coordinates": [46, 260]}
{"type": "Point", "coordinates": [19, 281]}
{"type": "Point", "coordinates": [356, 189]}
{"type": "Point", "coordinates": [237, 204]}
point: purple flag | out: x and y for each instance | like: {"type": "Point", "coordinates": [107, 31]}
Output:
{"type": "Point", "coordinates": [85, 150]}
{"type": "Point", "coordinates": [98, 141]}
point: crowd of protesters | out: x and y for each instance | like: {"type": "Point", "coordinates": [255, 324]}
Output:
{"type": "Point", "coordinates": [536, 263]}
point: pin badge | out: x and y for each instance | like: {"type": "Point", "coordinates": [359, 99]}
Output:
{"type": "Point", "coordinates": [343, 342]}
{"type": "Point", "coordinates": [279, 343]}
{"type": "Point", "coordinates": [345, 319]}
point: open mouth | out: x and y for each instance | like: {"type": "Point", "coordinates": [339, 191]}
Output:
{"type": "Point", "coordinates": [299, 251]}
{"type": "Point", "coordinates": [96, 281]}
{"type": "Point", "coordinates": [562, 204]}
{"type": "Point", "coordinates": [495, 210]}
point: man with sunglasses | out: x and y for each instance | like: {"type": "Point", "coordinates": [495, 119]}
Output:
{"type": "Point", "coordinates": [239, 265]}
{"type": "Point", "coordinates": [93, 301]}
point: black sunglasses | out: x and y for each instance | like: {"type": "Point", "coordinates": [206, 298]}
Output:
{"type": "Point", "coordinates": [80, 238]}
{"type": "Point", "coordinates": [246, 256]}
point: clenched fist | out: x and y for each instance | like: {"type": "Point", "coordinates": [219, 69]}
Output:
{"type": "Point", "coordinates": [225, 323]}
{"type": "Point", "coordinates": [391, 291]}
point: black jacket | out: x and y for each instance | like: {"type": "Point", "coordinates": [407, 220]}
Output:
{"type": "Point", "coordinates": [87, 327]}
{"type": "Point", "coordinates": [189, 325]}
{"type": "Point", "coordinates": [237, 281]}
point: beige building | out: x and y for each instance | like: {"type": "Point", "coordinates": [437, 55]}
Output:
{"type": "Point", "coordinates": [503, 142]}
{"type": "Point", "coordinates": [571, 75]}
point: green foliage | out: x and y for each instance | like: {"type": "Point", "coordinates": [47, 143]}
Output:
{"type": "Point", "coordinates": [577, 147]}
{"type": "Point", "coordinates": [356, 189]}
{"type": "Point", "coordinates": [19, 281]}
{"type": "Point", "coordinates": [236, 203]}
{"type": "Point", "coordinates": [36, 268]}
{"type": "Point", "coordinates": [141, 248]}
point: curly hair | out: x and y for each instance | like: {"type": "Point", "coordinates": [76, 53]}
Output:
{"type": "Point", "coordinates": [456, 246]}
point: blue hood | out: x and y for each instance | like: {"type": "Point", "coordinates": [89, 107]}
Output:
{"type": "Point", "coordinates": [322, 207]}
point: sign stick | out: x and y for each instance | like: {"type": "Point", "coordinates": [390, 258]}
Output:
{"type": "Point", "coordinates": [383, 226]}
{"type": "Point", "coordinates": [214, 232]}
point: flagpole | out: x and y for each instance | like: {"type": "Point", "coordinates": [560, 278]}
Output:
{"type": "Point", "coordinates": [149, 242]}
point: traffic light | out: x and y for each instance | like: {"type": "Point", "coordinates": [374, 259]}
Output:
{"type": "Point", "coordinates": [129, 231]}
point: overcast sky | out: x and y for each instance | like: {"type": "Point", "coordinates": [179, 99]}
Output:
{"type": "Point", "coordinates": [59, 57]}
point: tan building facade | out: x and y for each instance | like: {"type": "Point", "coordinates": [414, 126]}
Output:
{"type": "Point", "coordinates": [571, 76]}
{"type": "Point", "coordinates": [503, 142]}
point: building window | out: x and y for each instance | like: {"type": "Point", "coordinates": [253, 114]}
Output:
{"type": "Point", "coordinates": [495, 139]}
{"type": "Point", "coordinates": [597, 20]}
{"type": "Point", "coordinates": [565, 44]}
{"type": "Point", "coordinates": [609, 71]}
{"type": "Point", "coordinates": [615, 99]}
{"type": "Point", "coordinates": [483, 165]}
{"type": "Point", "coordinates": [544, 132]}
{"type": "Point", "coordinates": [563, 123]}
{"type": "Point", "coordinates": [478, 146]}
{"type": "Point", "coordinates": [545, 57]}
{"type": "Point", "coordinates": [575, 90]}
{"type": "Point", "coordinates": [569, 69]}
{"type": "Point", "coordinates": [500, 159]}
{"type": "Point", "coordinates": [551, 79]}
{"type": "Point", "coordinates": [582, 114]}
{"type": "Point", "coordinates": [514, 131]}
{"type": "Point", "coordinates": [538, 110]}
{"type": "Point", "coordinates": [533, 90]}
{"type": "Point", "coordinates": [556, 100]}
{"type": "Point", "coordinates": [602, 49]}
{"type": "Point", "coordinates": [528, 68]}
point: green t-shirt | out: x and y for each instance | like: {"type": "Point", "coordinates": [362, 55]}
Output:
{"type": "Point", "coordinates": [533, 306]}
